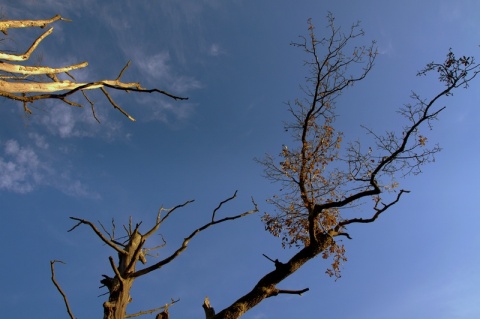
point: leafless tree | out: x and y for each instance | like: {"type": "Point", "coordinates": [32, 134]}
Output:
{"type": "Point", "coordinates": [28, 84]}
{"type": "Point", "coordinates": [320, 175]}
{"type": "Point", "coordinates": [133, 250]}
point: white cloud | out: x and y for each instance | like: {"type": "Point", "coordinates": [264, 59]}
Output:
{"type": "Point", "coordinates": [215, 50]}
{"type": "Point", "coordinates": [183, 84]}
{"type": "Point", "coordinates": [22, 170]}
{"type": "Point", "coordinates": [385, 48]}
{"type": "Point", "coordinates": [171, 113]}
{"type": "Point", "coordinates": [155, 66]}
{"type": "Point", "coordinates": [158, 68]}
{"type": "Point", "coordinates": [39, 140]}
{"type": "Point", "coordinates": [71, 122]}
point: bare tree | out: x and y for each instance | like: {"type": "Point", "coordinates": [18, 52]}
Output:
{"type": "Point", "coordinates": [133, 250]}
{"type": "Point", "coordinates": [320, 175]}
{"type": "Point", "coordinates": [28, 84]}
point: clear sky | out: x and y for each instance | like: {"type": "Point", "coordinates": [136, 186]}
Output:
{"type": "Point", "coordinates": [233, 60]}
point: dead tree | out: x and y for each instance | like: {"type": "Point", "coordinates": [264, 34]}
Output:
{"type": "Point", "coordinates": [134, 250]}
{"type": "Point", "coordinates": [28, 84]}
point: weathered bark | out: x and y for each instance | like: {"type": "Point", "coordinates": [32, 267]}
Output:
{"type": "Point", "coordinates": [119, 287]}
{"type": "Point", "coordinates": [11, 24]}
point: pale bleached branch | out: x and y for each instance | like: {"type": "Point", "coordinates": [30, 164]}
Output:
{"type": "Point", "coordinates": [14, 84]}
{"type": "Point", "coordinates": [15, 24]}
{"type": "Point", "coordinates": [39, 70]}
{"type": "Point", "coordinates": [25, 56]}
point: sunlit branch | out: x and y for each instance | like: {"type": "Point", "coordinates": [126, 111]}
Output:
{"type": "Point", "coordinates": [60, 290]}
{"type": "Point", "coordinates": [15, 84]}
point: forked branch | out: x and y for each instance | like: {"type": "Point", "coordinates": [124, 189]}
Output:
{"type": "Point", "coordinates": [186, 240]}
{"type": "Point", "coordinates": [97, 232]}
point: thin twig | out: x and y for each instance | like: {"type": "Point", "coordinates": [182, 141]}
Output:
{"type": "Point", "coordinates": [97, 232]}
{"type": "Point", "coordinates": [186, 241]}
{"type": "Point", "coordinates": [115, 269]}
{"type": "Point", "coordinates": [221, 204]}
{"type": "Point", "coordinates": [115, 105]}
{"type": "Point", "coordinates": [123, 70]}
{"type": "Point", "coordinates": [65, 299]}
{"type": "Point", "coordinates": [146, 312]}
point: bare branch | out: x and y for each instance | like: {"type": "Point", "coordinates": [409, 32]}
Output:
{"type": "Point", "coordinates": [38, 70]}
{"type": "Point", "coordinates": [378, 212]}
{"type": "Point", "coordinates": [11, 24]}
{"type": "Point", "coordinates": [147, 312]}
{"type": "Point", "coordinates": [115, 269]}
{"type": "Point", "coordinates": [221, 204]}
{"type": "Point", "coordinates": [293, 292]}
{"type": "Point", "coordinates": [170, 211]}
{"type": "Point", "coordinates": [14, 84]}
{"type": "Point", "coordinates": [64, 296]}
{"type": "Point", "coordinates": [186, 241]}
{"type": "Point", "coordinates": [26, 55]}
{"type": "Point", "coordinates": [97, 232]}
{"type": "Point", "coordinates": [123, 70]}
{"type": "Point", "coordinates": [115, 105]}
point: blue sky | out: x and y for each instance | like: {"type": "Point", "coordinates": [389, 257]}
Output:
{"type": "Point", "coordinates": [234, 62]}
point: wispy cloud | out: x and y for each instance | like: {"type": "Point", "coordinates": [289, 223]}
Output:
{"type": "Point", "coordinates": [158, 68]}
{"type": "Point", "coordinates": [22, 170]}
{"type": "Point", "coordinates": [172, 114]}
{"type": "Point", "coordinates": [39, 140]}
{"type": "Point", "coordinates": [215, 50]}
{"type": "Point", "coordinates": [71, 122]}
{"type": "Point", "coordinates": [155, 66]}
